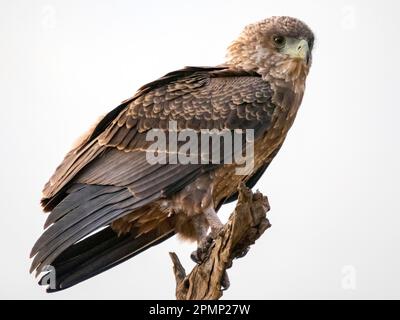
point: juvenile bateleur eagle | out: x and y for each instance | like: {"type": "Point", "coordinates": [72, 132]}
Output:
{"type": "Point", "coordinates": [107, 203]}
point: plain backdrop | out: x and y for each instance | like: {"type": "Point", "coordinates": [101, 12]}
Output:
{"type": "Point", "coordinates": [333, 188]}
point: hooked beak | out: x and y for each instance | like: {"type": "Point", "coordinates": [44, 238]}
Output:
{"type": "Point", "coordinates": [299, 50]}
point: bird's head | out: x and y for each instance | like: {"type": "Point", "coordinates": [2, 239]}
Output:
{"type": "Point", "coordinates": [278, 46]}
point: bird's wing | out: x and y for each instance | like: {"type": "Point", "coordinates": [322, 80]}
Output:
{"type": "Point", "coordinates": [196, 98]}
{"type": "Point", "coordinates": [108, 176]}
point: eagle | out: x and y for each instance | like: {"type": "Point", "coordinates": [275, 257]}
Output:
{"type": "Point", "coordinates": [108, 203]}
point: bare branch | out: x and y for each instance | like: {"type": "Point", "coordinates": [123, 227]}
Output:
{"type": "Point", "coordinates": [246, 224]}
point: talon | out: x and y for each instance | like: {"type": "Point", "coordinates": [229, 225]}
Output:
{"type": "Point", "coordinates": [200, 254]}
{"type": "Point", "coordinates": [195, 257]}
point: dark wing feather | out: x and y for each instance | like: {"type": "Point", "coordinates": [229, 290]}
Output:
{"type": "Point", "coordinates": [108, 176]}
{"type": "Point", "coordinates": [80, 222]}
{"type": "Point", "coordinates": [101, 252]}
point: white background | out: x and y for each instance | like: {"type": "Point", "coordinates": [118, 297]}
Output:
{"type": "Point", "coordinates": [334, 187]}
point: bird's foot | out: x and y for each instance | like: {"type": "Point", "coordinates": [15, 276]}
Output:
{"type": "Point", "coordinates": [201, 253]}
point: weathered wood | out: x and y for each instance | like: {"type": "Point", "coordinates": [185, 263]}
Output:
{"type": "Point", "coordinates": [246, 224]}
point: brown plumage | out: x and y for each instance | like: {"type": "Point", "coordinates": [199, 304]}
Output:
{"type": "Point", "coordinates": [106, 180]}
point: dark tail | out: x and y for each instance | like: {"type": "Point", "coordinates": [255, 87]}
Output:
{"type": "Point", "coordinates": [96, 254]}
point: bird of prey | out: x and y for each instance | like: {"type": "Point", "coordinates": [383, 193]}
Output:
{"type": "Point", "coordinates": [107, 203]}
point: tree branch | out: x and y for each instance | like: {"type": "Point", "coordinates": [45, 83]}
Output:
{"type": "Point", "coordinates": [246, 224]}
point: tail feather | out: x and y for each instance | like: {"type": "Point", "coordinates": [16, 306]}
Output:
{"type": "Point", "coordinates": [98, 253]}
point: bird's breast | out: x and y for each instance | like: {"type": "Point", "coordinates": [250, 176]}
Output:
{"type": "Point", "coordinates": [265, 148]}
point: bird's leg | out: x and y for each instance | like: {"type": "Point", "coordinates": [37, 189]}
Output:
{"type": "Point", "coordinates": [213, 220]}
{"type": "Point", "coordinates": [203, 244]}
{"type": "Point", "coordinates": [205, 240]}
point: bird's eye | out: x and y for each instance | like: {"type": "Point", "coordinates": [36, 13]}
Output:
{"type": "Point", "coordinates": [279, 41]}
